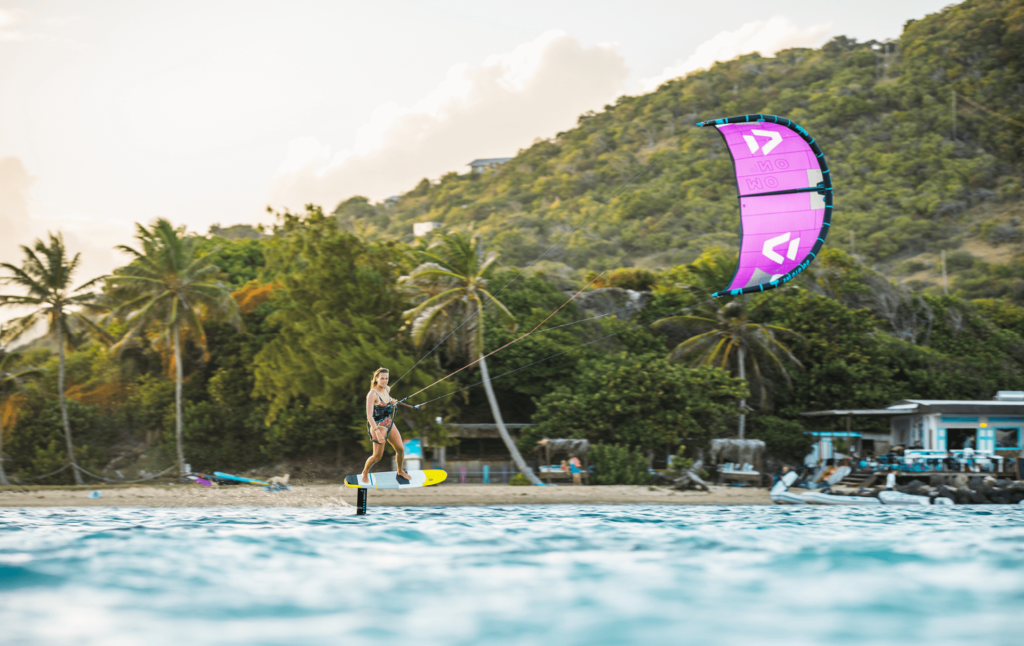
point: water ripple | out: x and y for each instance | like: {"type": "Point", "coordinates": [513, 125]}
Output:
{"type": "Point", "coordinates": [512, 575]}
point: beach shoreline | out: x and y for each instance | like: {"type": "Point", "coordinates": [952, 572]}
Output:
{"type": "Point", "coordinates": [327, 495]}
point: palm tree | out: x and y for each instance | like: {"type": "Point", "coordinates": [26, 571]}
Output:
{"type": "Point", "coordinates": [168, 286]}
{"type": "Point", "coordinates": [724, 336]}
{"type": "Point", "coordinates": [453, 277]}
{"type": "Point", "coordinates": [45, 274]}
{"type": "Point", "coordinates": [721, 333]}
{"type": "Point", "coordinates": [10, 381]}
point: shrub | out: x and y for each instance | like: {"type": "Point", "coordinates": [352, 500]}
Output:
{"type": "Point", "coordinates": [959, 260]}
{"type": "Point", "coordinates": [783, 438]}
{"type": "Point", "coordinates": [913, 266]}
{"type": "Point", "coordinates": [639, 280]}
{"type": "Point", "coordinates": [519, 480]}
{"type": "Point", "coordinates": [679, 463]}
{"type": "Point", "coordinates": [615, 464]}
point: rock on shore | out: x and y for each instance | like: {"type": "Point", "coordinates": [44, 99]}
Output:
{"type": "Point", "coordinates": [968, 489]}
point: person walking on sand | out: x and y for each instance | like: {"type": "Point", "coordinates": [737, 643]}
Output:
{"type": "Point", "coordinates": [380, 423]}
{"type": "Point", "coordinates": [575, 470]}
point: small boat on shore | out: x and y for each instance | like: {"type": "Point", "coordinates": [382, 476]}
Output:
{"type": "Point", "coordinates": [821, 498]}
{"type": "Point", "coordinates": [780, 493]}
{"type": "Point", "coordinates": [898, 498]}
{"type": "Point", "coordinates": [787, 498]}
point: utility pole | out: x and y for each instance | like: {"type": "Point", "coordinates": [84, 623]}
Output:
{"type": "Point", "coordinates": [945, 283]}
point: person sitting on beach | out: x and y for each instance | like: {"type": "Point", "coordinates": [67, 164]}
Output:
{"type": "Point", "coordinates": [380, 423]}
{"type": "Point", "coordinates": [779, 475]}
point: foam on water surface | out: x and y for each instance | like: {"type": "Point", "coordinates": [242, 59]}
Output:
{"type": "Point", "coordinates": [512, 575]}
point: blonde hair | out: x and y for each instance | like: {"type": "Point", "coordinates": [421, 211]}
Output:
{"type": "Point", "coordinates": [376, 373]}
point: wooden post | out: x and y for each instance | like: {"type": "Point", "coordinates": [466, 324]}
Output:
{"type": "Point", "coordinates": [361, 502]}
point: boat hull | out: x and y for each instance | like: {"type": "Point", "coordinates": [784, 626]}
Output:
{"type": "Point", "coordinates": [818, 498]}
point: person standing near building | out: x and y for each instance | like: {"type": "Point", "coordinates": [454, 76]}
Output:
{"type": "Point", "coordinates": [890, 480]}
{"type": "Point", "coordinates": [576, 470]}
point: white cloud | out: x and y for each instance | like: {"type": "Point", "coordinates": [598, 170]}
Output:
{"type": "Point", "coordinates": [21, 223]}
{"type": "Point", "coordinates": [15, 183]}
{"type": "Point", "coordinates": [8, 18]}
{"type": "Point", "coordinates": [763, 37]}
{"type": "Point", "coordinates": [492, 109]}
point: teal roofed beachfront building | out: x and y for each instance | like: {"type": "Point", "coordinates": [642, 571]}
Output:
{"type": "Point", "coordinates": [934, 427]}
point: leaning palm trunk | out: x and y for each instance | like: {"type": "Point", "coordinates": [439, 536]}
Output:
{"type": "Point", "coordinates": [505, 437]}
{"type": "Point", "coordinates": [178, 434]}
{"type": "Point", "coordinates": [3, 474]}
{"type": "Point", "coordinates": [64, 401]}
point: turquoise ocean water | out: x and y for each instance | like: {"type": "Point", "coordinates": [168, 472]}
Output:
{"type": "Point", "coordinates": [513, 575]}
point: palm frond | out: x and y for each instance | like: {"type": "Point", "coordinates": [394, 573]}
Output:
{"type": "Point", "coordinates": [435, 273]}
{"type": "Point", "coordinates": [693, 345]}
{"type": "Point", "coordinates": [447, 295]}
{"type": "Point", "coordinates": [426, 318]}
{"type": "Point", "coordinates": [98, 331]}
{"type": "Point", "coordinates": [503, 312]}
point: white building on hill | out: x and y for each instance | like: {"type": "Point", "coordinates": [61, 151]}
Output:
{"type": "Point", "coordinates": [484, 165]}
{"type": "Point", "coordinates": [420, 229]}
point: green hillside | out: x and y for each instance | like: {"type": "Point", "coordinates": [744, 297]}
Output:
{"type": "Point", "coordinates": [321, 306]}
{"type": "Point", "coordinates": [653, 191]}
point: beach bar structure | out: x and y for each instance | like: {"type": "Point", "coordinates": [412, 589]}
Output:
{"type": "Point", "coordinates": [990, 428]}
{"type": "Point", "coordinates": [479, 455]}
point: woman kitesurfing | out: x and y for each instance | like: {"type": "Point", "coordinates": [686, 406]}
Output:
{"type": "Point", "coordinates": [380, 424]}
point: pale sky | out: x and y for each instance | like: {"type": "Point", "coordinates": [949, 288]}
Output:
{"type": "Point", "coordinates": [114, 112]}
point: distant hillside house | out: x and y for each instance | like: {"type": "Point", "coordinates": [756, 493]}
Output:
{"type": "Point", "coordinates": [420, 229]}
{"type": "Point", "coordinates": [484, 165]}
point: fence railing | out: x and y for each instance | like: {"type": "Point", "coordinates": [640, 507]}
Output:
{"type": "Point", "coordinates": [486, 476]}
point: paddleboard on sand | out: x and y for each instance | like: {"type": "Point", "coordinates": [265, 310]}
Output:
{"type": "Point", "coordinates": [391, 480]}
{"type": "Point", "coordinates": [228, 476]}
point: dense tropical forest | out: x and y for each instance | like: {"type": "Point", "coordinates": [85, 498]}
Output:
{"type": "Point", "coordinates": [243, 348]}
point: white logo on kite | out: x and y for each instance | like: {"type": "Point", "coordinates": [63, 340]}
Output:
{"type": "Point", "coordinates": [775, 137]}
{"type": "Point", "coordinates": [769, 248]}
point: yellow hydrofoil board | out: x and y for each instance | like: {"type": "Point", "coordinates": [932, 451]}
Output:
{"type": "Point", "coordinates": [391, 480]}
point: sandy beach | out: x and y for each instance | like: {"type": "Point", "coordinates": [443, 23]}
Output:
{"type": "Point", "coordinates": [320, 495]}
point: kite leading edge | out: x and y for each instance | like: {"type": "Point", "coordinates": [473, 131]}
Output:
{"type": "Point", "coordinates": [785, 195]}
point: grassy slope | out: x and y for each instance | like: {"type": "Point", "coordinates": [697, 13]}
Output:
{"type": "Point", "coordinates": [904, 186]}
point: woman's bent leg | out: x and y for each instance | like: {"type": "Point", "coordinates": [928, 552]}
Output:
{"type": "Point", "coordinates": [378, 453]}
